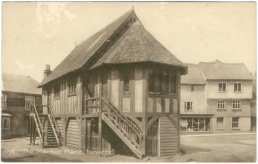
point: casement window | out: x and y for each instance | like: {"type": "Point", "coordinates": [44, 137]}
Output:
{"type": "Point", "coordinates": [237, 87]}
{"type": "Point", "coordinates": [188, 106]}
{"type": "Point", "coordinates": [17, 101]}
{"type": "Point", "coordinates": [6, 123]}
{"type": "Point", "coordinates": [192, 88]}
{"type": "Point", "coordinates": [165, 81]}
{"type": "Point", "coordinates": [57, 91]}
{"type": "Point", "coordinates": [151, 81]}
{"type": "Point", "coordinates": [162, 81]}
{"type": "Point", "coordinates": [235, 122]}
{"type": "Point", "coordinates": [29, 100]}
{"type": "Point", "coordinates": [222, 87]}
{"type": "Point", "coordinates": [221, 104]}
{"type": "Point", "coordinates": [126, 79]}
{"type": "Point", "coordinates": [72, 87]}
{"type": "Point", "coordinates": [236, 104]}
{"type": "Point", "coordinates": [4, 101]}
{"type": "Point", "coordinates": [173, 82]}
{"type": "Point", "coordinates": [220, 123]}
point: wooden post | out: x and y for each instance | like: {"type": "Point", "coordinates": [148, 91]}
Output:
{"type": "Point", "coordinates": [100, 133]}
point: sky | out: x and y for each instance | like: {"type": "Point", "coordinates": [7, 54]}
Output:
{"type": "Point", "coordinates": [38, 33]}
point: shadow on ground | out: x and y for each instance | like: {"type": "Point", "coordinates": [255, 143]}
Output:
{"type": "Point", "coordinates": [192, 149]}
{"type": "Point", "coordinates": [38, 158]}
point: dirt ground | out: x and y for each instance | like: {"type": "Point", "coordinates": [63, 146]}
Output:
{"type": "Point", "coordinates": [210, 148]}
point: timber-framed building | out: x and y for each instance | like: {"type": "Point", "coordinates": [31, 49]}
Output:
{"type": "Point", "coordinates": [118, 92]}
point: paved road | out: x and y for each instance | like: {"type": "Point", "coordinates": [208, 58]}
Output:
{"type": "Point", "coordinates": [224, 148]}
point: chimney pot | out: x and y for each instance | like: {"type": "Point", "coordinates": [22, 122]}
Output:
{"type": "Point", "coordinates": [47, 71]}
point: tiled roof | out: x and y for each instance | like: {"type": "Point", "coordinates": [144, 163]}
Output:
{"type": "Point", "coordinates": [224, 71]}
{"type": "Point", "coordinates": [20, 84]}
{"type": "Point", "coordinates": [137, 45]}
{"type": "Point", "coordinates": [194, 75]}
{"type": "Point", "coordinates": [134, 45]}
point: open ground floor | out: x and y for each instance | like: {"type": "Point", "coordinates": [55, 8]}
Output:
{"type": "Point", "coordinates": [233, 147]}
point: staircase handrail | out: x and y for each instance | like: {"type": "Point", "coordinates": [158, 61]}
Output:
{"type": "Point", "coordinates": [53, 123]}
{"type": "Point", "coordinates": [129, 123]}
{"type": "Point", "coordinates": [37, 117]}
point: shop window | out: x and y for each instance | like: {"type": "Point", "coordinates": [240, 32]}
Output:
{"type": "Point", "coordinates": [221, 104]}
{"type": "Point", "coordinates": [236, 104]}
{"type": "Point", "coordinates": [6, 123]}
{"type": "Point", "coordinates": [188, 106]}
{"type": "Point", "coordinates": [222, 87]}
{"type": "Point", "coordinates": [237, 87]}
{"type": "Point", "coordinates": [29, 100]}
{"type": "Point", "coordinates": [235, 122]}
{"type": "Point", "coordinates": [72, 87]}
{"type": "Point", "coordinates": [220, 123]}
{"type": "Point", "coordinates": [195, 124]}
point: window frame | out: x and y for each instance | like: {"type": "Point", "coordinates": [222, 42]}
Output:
{"type": "Point", "coordinates": [220, 104]}
{"type": "Point", "coordinates": [57, 90]}
{"type": "Point", "coordinates": [222, 87]}
{"type": "Point", "coordinates": [190, 105]}
{"type": "Point", "coordinates": [126, 80]}
{"type": "Point", "coordinates": [235, 122]}
{"type": "Point", "coordinates": [9, 123]}
{"type": "Point", "coordinates": [29, 100]}
{"type": "Point", "coordinates": [237, 87]}
{"type": "Point", "coordinates": [192, 88]}
{"type": "Point", "coordinates": [222, 123]}
{"type": "Point", "coordinates": [71, 87]}
{"type": "Point", "coordinates": [236, 104]}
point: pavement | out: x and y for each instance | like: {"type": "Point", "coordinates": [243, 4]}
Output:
{"type": "Point", "coordinates": [238, 147]}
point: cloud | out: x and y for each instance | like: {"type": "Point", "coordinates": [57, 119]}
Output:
{"type": "Point", "coordinates": [23, 67]}
{"type": "Point", "coordinates": [51, 15]}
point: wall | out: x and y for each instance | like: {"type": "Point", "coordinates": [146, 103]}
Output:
{"type": "Point", "coordinates": [212, 88]}
{"type": "Point", "coordinates": [20, 116]}
{"type": "Point", "coordinates": [64, 104]}
{"type": "Point", "coordinates": [197, 97]}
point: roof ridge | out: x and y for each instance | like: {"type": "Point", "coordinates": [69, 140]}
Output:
{"type": "Point", "coordinates": [123, 17]}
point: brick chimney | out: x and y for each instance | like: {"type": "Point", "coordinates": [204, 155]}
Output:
{"type": "Point", "coordinates": [47, 71]}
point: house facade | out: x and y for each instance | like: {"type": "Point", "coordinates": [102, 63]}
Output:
{"type": "Point", "coordinates": [118, 91]}
{"type": "Point", "coordinates": [17, 93]}
{"type": "Point", "coordinates": [227, 95]}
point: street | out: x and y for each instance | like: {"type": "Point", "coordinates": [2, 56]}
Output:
{"type": "Point", "coordinates": [204, 148]}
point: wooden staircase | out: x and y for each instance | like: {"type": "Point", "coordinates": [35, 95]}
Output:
{"type": "Point", "coordinates": [49, 134]}
{"type": "Point", "coordinates": [128, 129]}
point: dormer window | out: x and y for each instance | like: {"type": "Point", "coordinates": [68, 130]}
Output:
{"type": "Point", "coordinates": [237, 87]}
{"type": "Point", "coordinates": [222, 87]}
